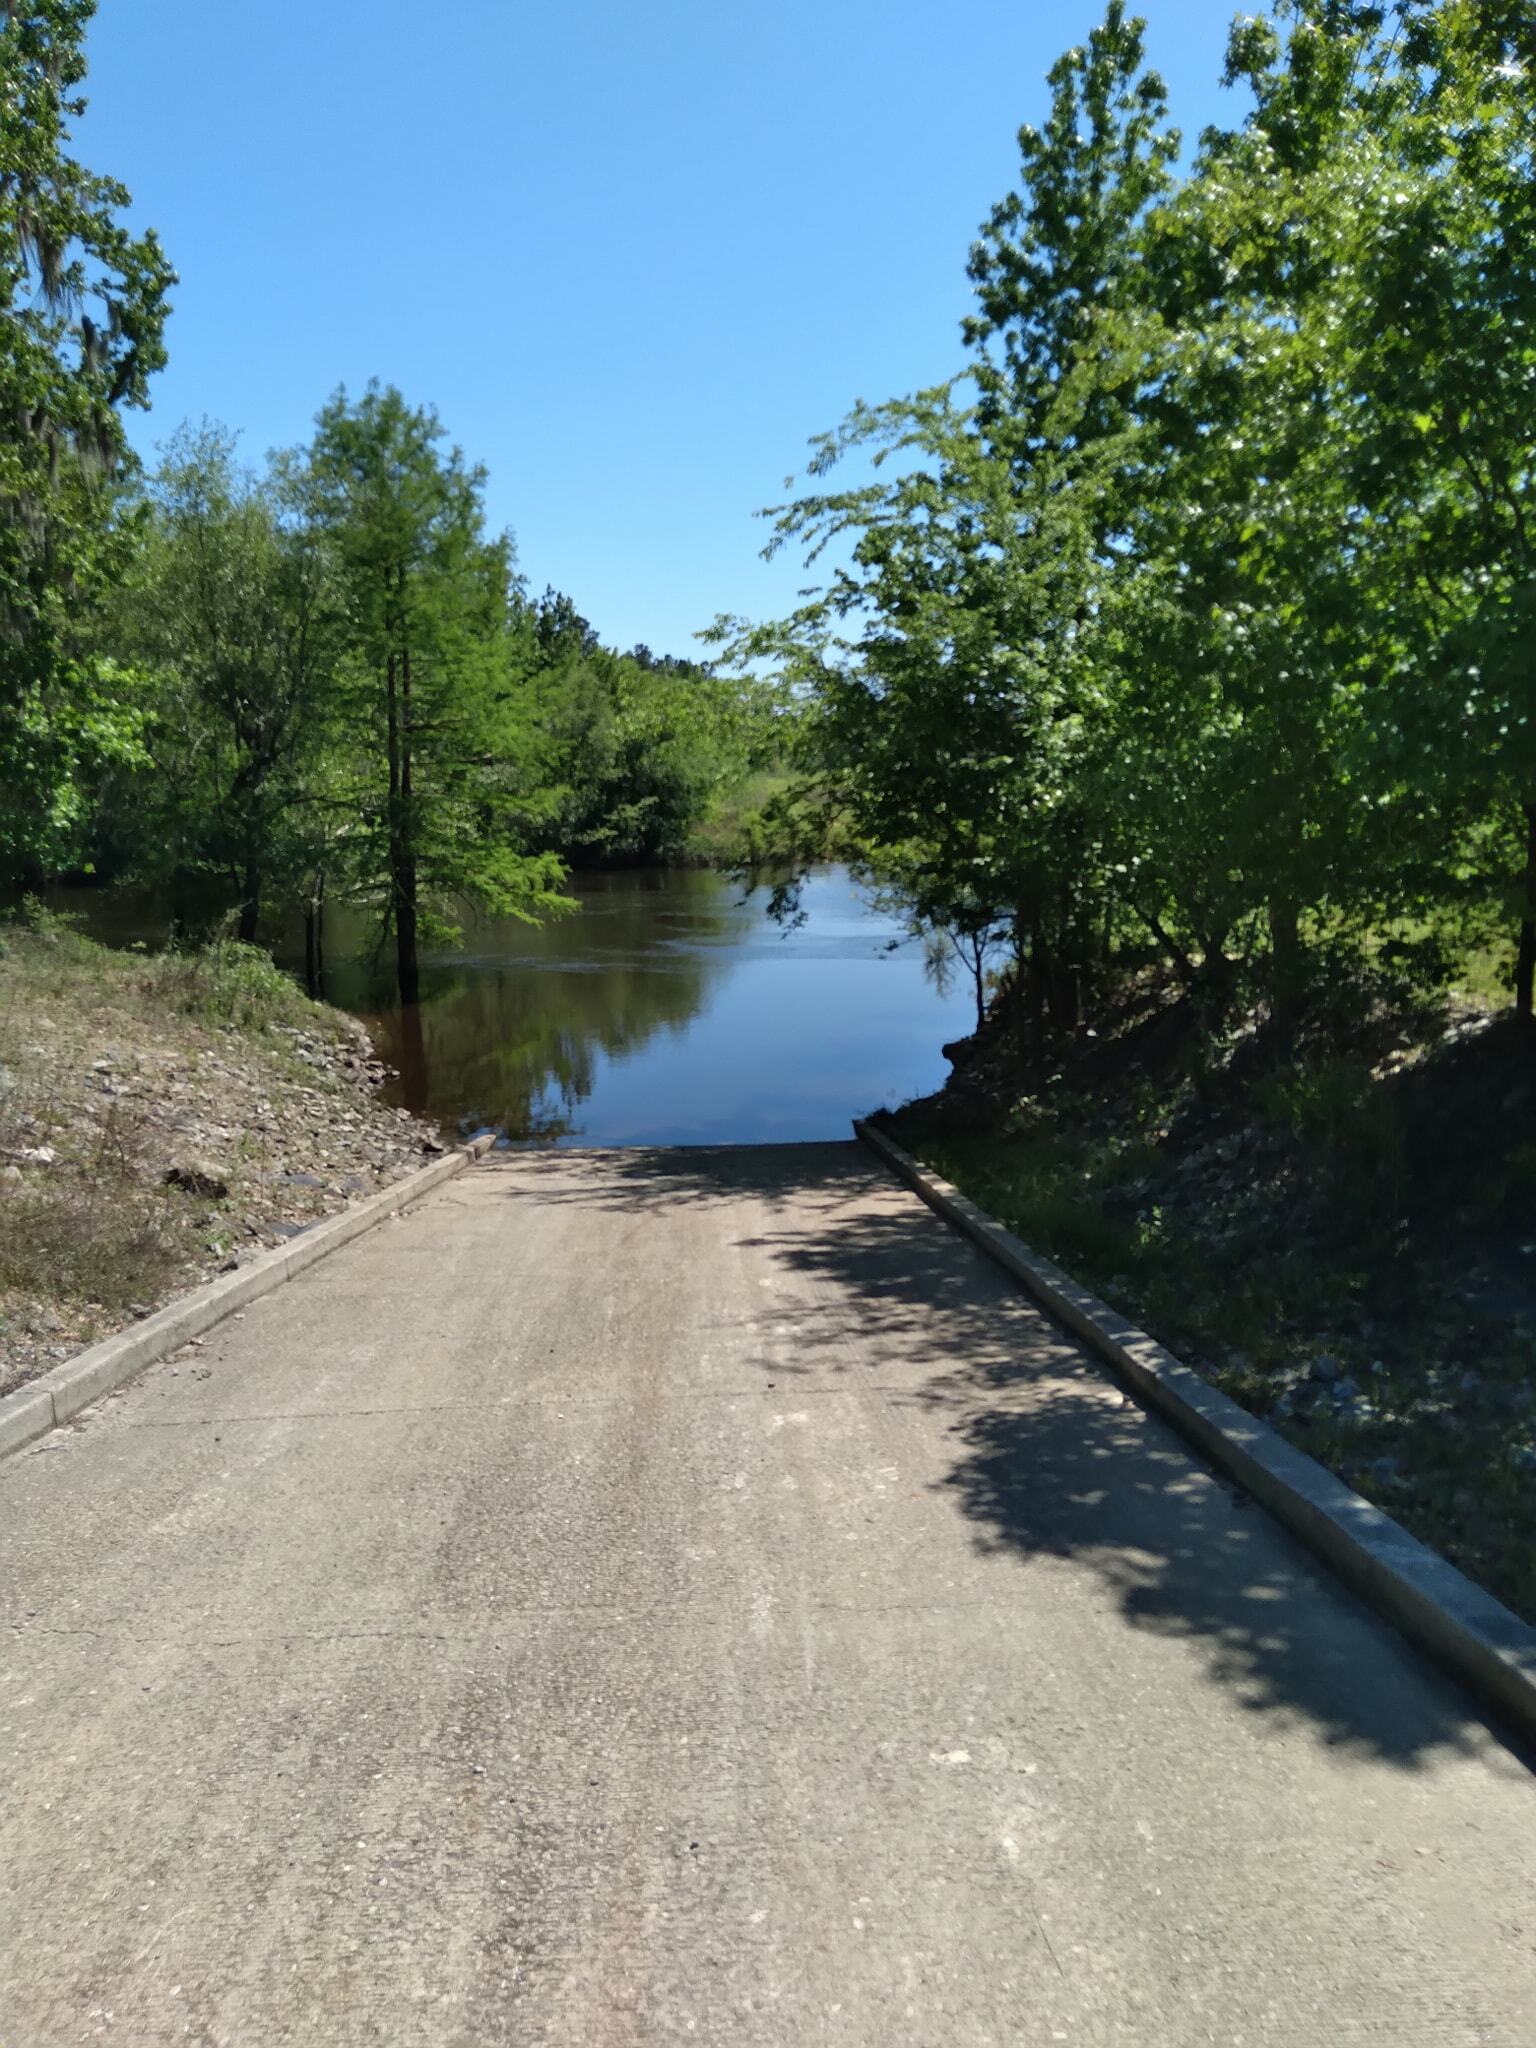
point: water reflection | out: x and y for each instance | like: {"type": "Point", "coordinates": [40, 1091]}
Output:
{"type": "Point", "coordinates": [669, 1010]}
{"type": "Point", "coordinates": [516, 1028]}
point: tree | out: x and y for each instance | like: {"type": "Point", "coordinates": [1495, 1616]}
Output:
{"type": "Point", "coordinates": [1441, 308]}
{"type": "Point", "coordinates": [561, 631]}
{"type": "Point", "coordinates": [957, 720]}
{"type": "Point", "coordinates": [233, 607]}
{"type": "Point", "coordinates": [1245, 653]}
{"type": "Point", "coordinates": [84, 304]}
{"type": "Point", "coordinates": [1060, 260]}
{"type": "Point", "coordinates": [433, 678]}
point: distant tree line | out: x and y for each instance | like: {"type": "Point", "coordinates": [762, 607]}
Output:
{"type": "Point", "coordinates": [322, 679]}
{"type": "Point", "coordinates": [1198, 611]}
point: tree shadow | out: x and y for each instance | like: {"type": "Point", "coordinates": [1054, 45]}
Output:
{"type": "Point", "coordinates": [1047, 1456]}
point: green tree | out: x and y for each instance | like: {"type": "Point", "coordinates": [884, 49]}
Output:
{"type": "Point", "coordinates": [84, 305]}
{"type": "Point", "coordinates": [1061, 259]}
{"type": "Point", "coordinates": [1215, 607]}
{"type": "Point", "coordinates": [958, 706]}
{"type": "Point", "coordinates": [234, 609]}
{"type": "Point", "coordinates": [434, 683]}
{"type": "Point", "coordinates": [1242, 649]}
{"type": "Point", "coordinates": [642, 743]}
{"type": "Point", "coordinates": [1440, 305]}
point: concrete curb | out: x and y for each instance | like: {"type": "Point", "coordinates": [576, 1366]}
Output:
{"type": "Point", "coordinates": [1440, 1611]}
{"type": "Point", "coordinates": [31, 1411]}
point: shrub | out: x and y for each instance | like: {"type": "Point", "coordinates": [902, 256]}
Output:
{"type": "Point", "coordinates": [228, 982]}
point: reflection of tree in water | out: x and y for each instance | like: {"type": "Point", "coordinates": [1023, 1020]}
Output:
{"type": "Point", "coordinates": [517, 1042]}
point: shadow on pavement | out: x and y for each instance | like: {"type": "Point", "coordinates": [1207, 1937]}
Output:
{"type": "Point", "coordinates": [1049, 1457]}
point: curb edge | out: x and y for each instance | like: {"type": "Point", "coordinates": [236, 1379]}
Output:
{"type": "Point", "coordinates": [1441, 1612]}
{"type": "Point", "coordinates": [40, 1405]}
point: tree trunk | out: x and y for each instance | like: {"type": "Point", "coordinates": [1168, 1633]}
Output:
{"type": "Point", "coordinates": [1183, 966]}
{"type": "Point", "coordinates": [1065, 995]}
{"type": "Point", "coordinates": [1213, 981]}
{"type": "Point", "coordinates": [403, 853]}
{"type": "Point", "coordinates": [402, 866]}
{"type": "Point", "coordinates": [1039, 972]}
{"type": "Point", "coordinates": [250, 900]}
{"type": "Point", "coordinates": [1020, 989]}
{"type": "Point", "coordinates": [314, 939]}
{"type": "Point", "coordinates": [1525, 963]}
{"type": "Point", "coordinates": [1285, 963]}
{"type": "Point", "coordinates": [407, 971]}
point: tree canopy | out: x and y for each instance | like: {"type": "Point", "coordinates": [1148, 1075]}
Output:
{"type": "Point", "coordinates": [1195, 609]}
{"type": "Point", "coordinates": [83, 304]}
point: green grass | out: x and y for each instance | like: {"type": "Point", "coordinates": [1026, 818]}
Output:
{"type": "Point", "coordinates": [227, 983]}
{"type": "Point", "coordinates": [223, 983]}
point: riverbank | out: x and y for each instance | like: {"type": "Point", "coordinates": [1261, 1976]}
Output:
{"type": "Point", "coordinates": [162, 1119]}
{"type": "Point", "coordinates": [1341, 1237]}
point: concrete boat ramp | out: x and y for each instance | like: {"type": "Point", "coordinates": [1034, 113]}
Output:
{"type": "Point", "coordinates": [651, 1597]}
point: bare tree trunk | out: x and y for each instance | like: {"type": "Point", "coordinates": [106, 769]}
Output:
{"type": "Point", "coordinates": [402, 866]}
{"type": "Point", "coordinates": [1021, 986]}
{"type": "Point", "coordinates": [1183, 966]}
{"type": "Point", "coordinates": [1065, 993]}
{"type": "Point", "coordinates": [407, 965]}
{"type": "Point", "coordinates": [1039, 971]}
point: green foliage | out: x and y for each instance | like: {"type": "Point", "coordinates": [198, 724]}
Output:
{"type": "Point", "coordinates": [1200, 604]}
{"type": "Point", "coordinates": [645, 748]}
{"type": "Point", "coordinates": [31, 914]}
{"type": "Point", "coordinates": [82, 308]}
{"type": "Point", "coordinates": [229, 982]}
{"type": "Point", "coordinates": [234, 608]}
{"type": "Point", "coordinates": [321, 680]}
{"type": "Point", "coordinates": [432, 682]}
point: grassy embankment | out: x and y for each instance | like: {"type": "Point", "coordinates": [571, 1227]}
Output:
{"type": "Point", "coordinates": [161, 1117]}
{"type": "Point", "coordinates": [1340, 1234]}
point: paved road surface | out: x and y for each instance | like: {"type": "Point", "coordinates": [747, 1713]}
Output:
{"type": "Point", "coordinates": [689, 1597]}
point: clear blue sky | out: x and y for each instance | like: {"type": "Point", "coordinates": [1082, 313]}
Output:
{"type": "Point", "coordinates": [634, 251]}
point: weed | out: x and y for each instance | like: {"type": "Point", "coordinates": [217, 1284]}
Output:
{"type": "Point", "coordinates": [228, 983]}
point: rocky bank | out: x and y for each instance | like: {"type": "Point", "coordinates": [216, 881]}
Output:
{"type": "Point", "coordinates": [162, 1120]}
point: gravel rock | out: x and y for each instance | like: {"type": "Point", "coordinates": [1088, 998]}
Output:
{"type": "Point", "coordinates": [198, 1177]}
{"type": "Point", "coordinates": [231, 1140]}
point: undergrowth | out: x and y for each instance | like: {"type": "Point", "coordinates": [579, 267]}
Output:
{"type": "Point", "coordinates": [1338, 1229]}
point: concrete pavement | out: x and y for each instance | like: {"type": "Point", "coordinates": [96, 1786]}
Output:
{"type": "Point", "coordinates": [655, 1596]}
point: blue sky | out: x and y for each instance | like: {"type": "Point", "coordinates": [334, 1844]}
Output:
{"type": "Point", "coordinates": [636, 252]}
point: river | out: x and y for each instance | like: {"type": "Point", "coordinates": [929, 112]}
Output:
{"type": "Point", "coordinates": [669, 1009]}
